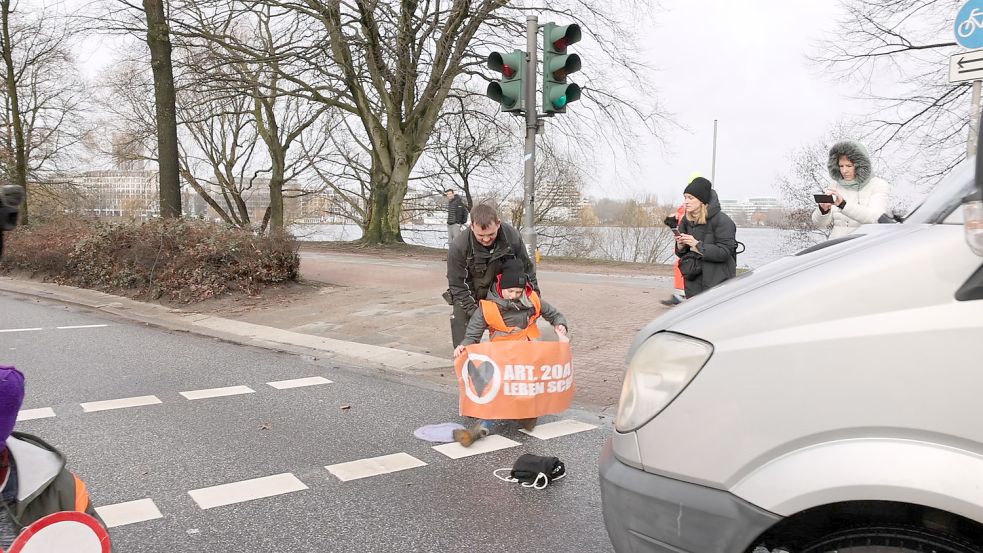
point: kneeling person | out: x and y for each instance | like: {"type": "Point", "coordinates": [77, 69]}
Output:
{"type": "Point", "coordinates": [33, 477]}
{"type": "Point", "coordinates": [509, 312]}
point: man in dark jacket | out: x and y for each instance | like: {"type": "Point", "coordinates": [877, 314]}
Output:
{"type": "Point", "coordinates": [457, 215]}
{"type": "Point", "coordinates": [707, 243]}
{"type": "Point", "coordinates": [474, 260]}
{"type": "Point", "coordinates": [34, 480]}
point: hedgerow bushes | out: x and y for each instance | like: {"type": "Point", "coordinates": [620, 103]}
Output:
{"type": "Point", "coordinates": [180, 260]}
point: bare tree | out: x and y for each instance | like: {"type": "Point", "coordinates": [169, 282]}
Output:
{"type": "Point", "coordinates": [43, 98]}
{"type": "Point", "coordinates": [390, 68]}
{"type": "Point", "coordinates": [896, 52]}
{"type": "Point", "coordinates": [165, 97]}
{"type": "Point", "coordinates": [807, 175]}
{"type": "Point", "coordinates": [469, 146]}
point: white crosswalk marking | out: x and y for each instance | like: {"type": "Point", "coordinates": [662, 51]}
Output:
{"type": "Point", "coordinates": [79, 326]}
{"type": "Point", "coordinates": [218, 392]}
{"type": "Point", "coordinates": [20, 329]}
{"type": "Point", "coordinates": [558, 428]}
{"type": "Point", "coordinates": [31, 414]}
{"type": "Point", "coordinates": [299, 382]}
{"type": "Point", "coordinates": [130, 512]}
{"type": "Point", "coordinates": [123, 403]}
{"type": "Point", "coordinates": [374, 466]}
{"type": "Point", "coordinates": [247, 490]}
{"type": "Point", "coordinates": [484, 445]}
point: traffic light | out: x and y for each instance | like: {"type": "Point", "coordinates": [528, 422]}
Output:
{"type": "Point", "coordinates": [557, 64]}
{"type": "Point", "coordinates": [509, 92]}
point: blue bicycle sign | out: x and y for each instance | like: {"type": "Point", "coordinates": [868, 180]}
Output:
{"type": "Point", "coordinates": [969, 24]}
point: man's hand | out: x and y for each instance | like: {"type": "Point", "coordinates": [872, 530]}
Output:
{"type": "Point", "coordinates": [458, 351]}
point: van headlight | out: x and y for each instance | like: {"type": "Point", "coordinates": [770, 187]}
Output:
{"type": "Point", "coordinates": [661, 367]}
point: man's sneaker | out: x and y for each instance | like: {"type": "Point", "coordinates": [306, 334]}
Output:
{"type": "Point", "coordinates": [528, 424]}
{"type": "Point", "coordinates": [467, 436]}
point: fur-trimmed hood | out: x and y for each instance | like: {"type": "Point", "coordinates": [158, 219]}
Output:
{"type": "Point", "coordinates": [855, 152]}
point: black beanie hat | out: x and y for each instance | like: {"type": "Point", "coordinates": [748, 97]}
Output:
{"type": "Point", "coordinates": [699, 189]}
{"type": "Point", "coordinates": [513, 274]}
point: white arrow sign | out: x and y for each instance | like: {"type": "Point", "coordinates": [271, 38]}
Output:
{"type": "Point", "coordinates": [966, 66]}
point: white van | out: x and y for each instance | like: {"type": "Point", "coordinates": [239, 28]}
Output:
{"type": "Point", "coordinates": [831, 401]}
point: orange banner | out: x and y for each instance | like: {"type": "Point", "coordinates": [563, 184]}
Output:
{"type": "Point", "coordinates": [514, 379]}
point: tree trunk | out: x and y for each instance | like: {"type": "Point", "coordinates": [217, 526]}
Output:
{"type": "Point", "coordinates": [388, 192]}
{"type": "Point", "coordinates": [158, 39]}
{"type": "Point", "coordinates": [20, 148]}
{"type": "Point", "coordinates": [276, 199]}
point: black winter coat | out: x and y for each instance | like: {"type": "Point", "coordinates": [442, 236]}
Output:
{"type": "Point", "coordinates": [718, 247]}
{"type": "Point", "coordinates": [457, 212]}
{"type": "Point", "coordinates": [472, 268]}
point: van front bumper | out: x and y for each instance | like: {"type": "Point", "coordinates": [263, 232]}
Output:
{"type": "Point", "coordinates": [648, 513]}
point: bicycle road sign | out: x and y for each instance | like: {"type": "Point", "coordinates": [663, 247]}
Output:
{"type": "Point", "coordinates": [968, 26]}
{"type": "Point", "coordinates": [966, 66]}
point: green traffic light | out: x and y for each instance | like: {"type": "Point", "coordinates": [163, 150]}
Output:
{"type": "Point", "coordinates": [558, 65]}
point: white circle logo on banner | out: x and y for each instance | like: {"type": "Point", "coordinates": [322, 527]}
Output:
{"type": "Point", "coordinates": [479, 387]}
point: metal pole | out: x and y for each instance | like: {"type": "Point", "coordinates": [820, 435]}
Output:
{"type": "Point", "coordinates": [974, 121]}
{"type": "Point", "coordinates": [529, 157]}
{"type": "Point", "coordinates": [713, 163]}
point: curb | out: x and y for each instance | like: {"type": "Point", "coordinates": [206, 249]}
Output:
{"type": "Point", "coordinates": [227, 329]}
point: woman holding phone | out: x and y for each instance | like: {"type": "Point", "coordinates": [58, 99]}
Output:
{"type": "Point", "coordinates": [707, 240]}
{"type": "Point", "coordinates": [858, 197]}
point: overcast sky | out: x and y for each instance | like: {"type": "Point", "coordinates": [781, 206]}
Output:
{"type": "Point", "coordinates": [745, 64]}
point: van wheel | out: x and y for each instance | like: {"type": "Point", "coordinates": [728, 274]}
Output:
{"type": "Point", "coordinates": [889, 539]}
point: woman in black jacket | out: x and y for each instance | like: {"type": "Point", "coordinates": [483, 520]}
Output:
{"type": "Point", "coordinates": [707, 240]}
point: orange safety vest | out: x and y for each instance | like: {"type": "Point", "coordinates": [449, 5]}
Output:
{"type": "Point", "coordinates": [497, 329]}
{"type": "Point", "coordinates": [678, 282]}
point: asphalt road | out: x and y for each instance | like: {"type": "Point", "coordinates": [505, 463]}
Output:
{"type": "Point", "coordinates": [158, 452]}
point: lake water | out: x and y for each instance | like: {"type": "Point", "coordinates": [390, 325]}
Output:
{"type": "Point", "coordinates": [615, 243]}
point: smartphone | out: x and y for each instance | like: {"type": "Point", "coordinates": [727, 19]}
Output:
{"type": "Point", "coordinates": [675, 231]}
{"type": "Point", "coordinates": [823, 198]}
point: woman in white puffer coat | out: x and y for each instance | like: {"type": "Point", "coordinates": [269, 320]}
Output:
{"type": "Point", "coordinates": [858, 197]}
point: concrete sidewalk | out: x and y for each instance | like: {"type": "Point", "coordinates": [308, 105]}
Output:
{"type": "Point", "coordinates": [387, 312]}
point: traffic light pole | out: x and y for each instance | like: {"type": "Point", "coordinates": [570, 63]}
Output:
{"type": "Point", "coordinates": [529, 159]}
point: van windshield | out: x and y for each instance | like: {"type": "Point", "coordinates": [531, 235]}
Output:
{"type": "Point", "coordinates": [946, 197]}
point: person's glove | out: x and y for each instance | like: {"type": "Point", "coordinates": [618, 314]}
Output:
{"type": "Point", "coordinates": [671, 221]}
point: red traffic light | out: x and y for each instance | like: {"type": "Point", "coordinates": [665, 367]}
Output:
{"type": "Point", "coordinates": [561, 37]}
{"type": "Point", "coordinates": [508, 71]}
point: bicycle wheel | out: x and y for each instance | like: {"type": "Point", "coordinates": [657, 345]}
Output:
{"type": "Point", "coordinates": [966, 28]}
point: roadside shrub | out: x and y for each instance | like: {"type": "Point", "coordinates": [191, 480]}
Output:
{"type": "Point", "coordinates": [180, 260]}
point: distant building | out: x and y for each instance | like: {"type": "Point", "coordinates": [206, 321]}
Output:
{"type": "Point", "coordinates": [120, 193]}
{"type": "Point", "coordinates": [758, 211]}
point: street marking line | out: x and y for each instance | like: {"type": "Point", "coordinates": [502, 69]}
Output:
{"type": "Point", "coordinates": [130, 512]}
{"type": "Point", "coordinates": [31, 414]}
{"type": "Point", "coordinates": [558, 428]}
{"type": "Point", "coordinates": [299, 382]}
{"type": "Point", "coordinates": [123, 403]}
{"type": "Point", "coordinates": [374, 466]}
{"type": "Point", "coordinates": [246, 490]}
{"type": "Point", "coordinates": [487, 444]}
{"type": "Point", "coordinates": [20, 329]}
{"type": "Point", "coordinates": [79, 326]}
{"type": "Point", "coordinates": [218, 392]}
